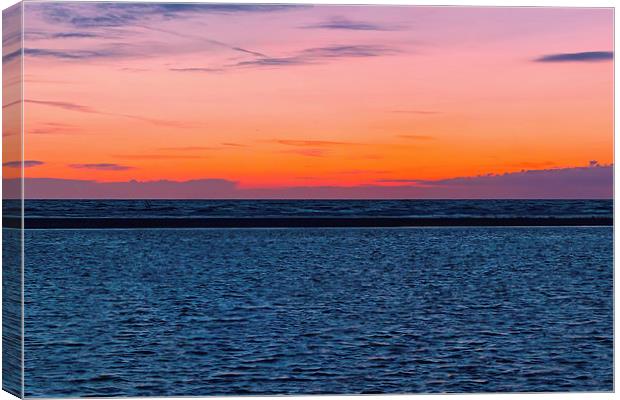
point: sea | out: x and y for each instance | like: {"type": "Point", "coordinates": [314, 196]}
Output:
{"type": "Point", "coordinates": [268, 311]}
{"type": "Point", "coordinates": [310, 208]}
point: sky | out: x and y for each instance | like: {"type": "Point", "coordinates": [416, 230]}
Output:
{"type": "Point", "coordinates": [272, 101]}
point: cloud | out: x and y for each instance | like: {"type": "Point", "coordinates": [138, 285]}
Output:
{"type": "Point", "coordinates": [205, 40]}
{"type": "Point", "coordinates": [64, 105]}
{"type": "Point", "coordinates": [51, 128]}
{"type": "Point", "coordinates": [348, 51]}
{"type": "Point", "coordinates": [123, 21]}
{"type": "Point", "coordinates": [71, 54]}
{"type": "Point", "coordinates": [108, 15]}
{"type": "Point", "coordinates": [417, 137]}
{"type": "Point", "coordinates": [34, 35]}
{"type": "Point", "coordinates": [196, 69]}
{"type": "Point", "coordinates": [13, 55]}
{"type": "Point", "coordinates": [234, 144]}
{"type": "Point", "coordinates": [101, 167]}
{"type": "Point", "coordinates": [564, 183]}
{"type": "Point", "coordinates": [51, 188]}
{"type": "Point", "coordinates": [12, 33]}
{"type": "Point", "coordinates": [86, 109]}
{"type": "Point", "coordinates": [322, 54]}
{"type": "Point", "coordinates": [593, 181]}
{"type": "Point", "coordinates": [71, 35]}
{"type": "Point", "coordinates": [310, 56]}
{"type": "Point", "coordinates": [156, 156]}
{"type": "Point", "coordinates": [11, 104]}
{"type": "Point", "coordinates": [587, 56]}
{"type": "Point", "coordinates": [26, 163]}
{"type": "Point", "coordinates": [273, 62]}
{"type": "Point", "coordinates": [109, 20]}
{"type": "Point", "coordinates": [155, 121]}
{"type": "Point", "coordinates": [341, 23]}
{"type": "Point", "coordinates": [130, 48]}
{"type": "Point", "coordinates": [241, 8]}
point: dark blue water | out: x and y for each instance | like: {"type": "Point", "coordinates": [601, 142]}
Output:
{"type": "Point", "coordinates": [309, 208]}
{"type": "Point", "coordinates": [291, 311]}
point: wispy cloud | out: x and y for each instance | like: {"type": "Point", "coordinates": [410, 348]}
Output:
{"type": "Point", "coordinates": [156, 156]}
{"type": "Point", "coordinates": [13, 103]}
{"type": "Point", "coordinates": [349, 51]}
{"type": "Point", "coordinates": [586, 56]}
{"type": "Point", "coordinates": [47, 128]}
{"type": "Point", "coordinates": [18, 164]}
{"type": "Point", "coordinates": [13, 55]}
{"type": "Point", "coordinates": [206, 40]}
{"type": "Point", "coordinates": [124, 48]}
{"type": "Point", "coordinates": [310, 56]}
{"type": "Point", "coordinates": [197, 69]}
{"type": "Point", "coordinates": [273, 62]}
{"type": "Point", "coordinates": [74, 35]}
{"type": "Point", "coordinates": [341, 23]}
{"type": "Point", "coordinates": [72, 54]}
{"type": "Point", "coordinates": [86, 109]}
{"type": "Point", "coordinates": [120, 20]}
{"type": "Point", "coordinates": [156, 121]}
{"type": "Point", "coordinates": [64, 105]}
{"type": "Point", "coordinates": [234, 144]}
{"type": "Point", "coordinates": [108, 15]}
{"type": "Point", "coordinates": [102, 167]}
{"type": "Point", "coordinates": [39, 35]}
{"type": "Point", "coordinates": [11, 37]}
{"type": "Point", "coordinates": [321, 54]}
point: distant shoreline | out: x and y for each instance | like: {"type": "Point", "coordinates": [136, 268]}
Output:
{"type": "Point", "coordinates": [296, 222]}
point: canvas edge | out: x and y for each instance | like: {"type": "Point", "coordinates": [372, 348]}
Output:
{"type": "Point", "coordinates": [12, 198]}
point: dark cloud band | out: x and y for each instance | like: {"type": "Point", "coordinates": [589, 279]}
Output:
{"type": "Point", "coordinates": [102, 167]}
{"type": "Point", "coordinates": [26, 163]}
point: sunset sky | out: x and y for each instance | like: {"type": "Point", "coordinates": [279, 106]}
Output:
{"type": "Point", "coordinates": [377, 99]}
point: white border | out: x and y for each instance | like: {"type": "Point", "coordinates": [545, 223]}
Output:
{"type": "Point", "coordinates": [485, 3]}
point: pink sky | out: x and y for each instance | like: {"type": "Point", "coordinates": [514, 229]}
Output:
{"type": "Point", "coordinates": [275, 97]}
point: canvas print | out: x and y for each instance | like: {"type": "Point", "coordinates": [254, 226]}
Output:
{"type": "Point", "coordinates": [210, 199]}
